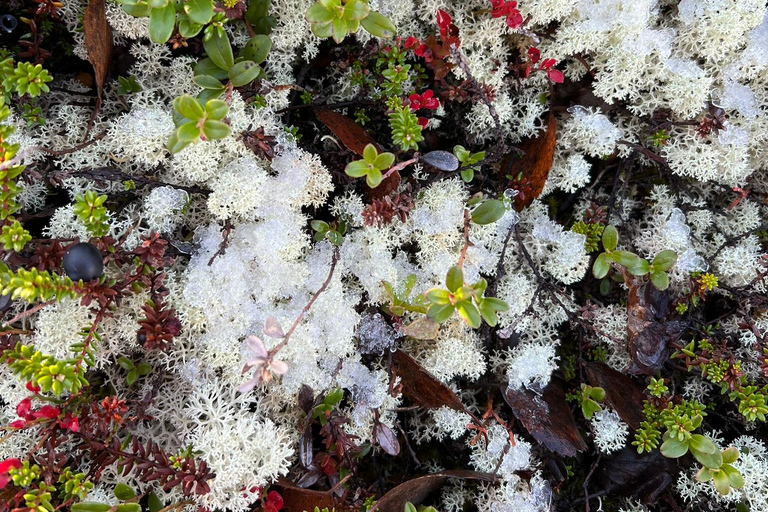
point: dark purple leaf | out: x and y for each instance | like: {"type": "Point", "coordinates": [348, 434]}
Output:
{"type": "Point", "coordinates": [306, 398]}
{"type": "Point", "coordinates": [386, 439]}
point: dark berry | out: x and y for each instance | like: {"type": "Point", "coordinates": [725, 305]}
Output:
{"type": "Point", "coordinates": [83, 261]}
{"type": "Point", "coordinates": [141, 338]}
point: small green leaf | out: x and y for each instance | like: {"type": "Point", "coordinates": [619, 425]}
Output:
{"type": "Point", "coordinates": [216, 109]}
{"type": "Point", "coordinates": [705, 475]}
{"type": "Point", "coordinates": [215, 130]}
{"type": "Point", "coordinates": [356, 10]}
{"type": "Point", "coordinates": [357, 169]}
{"type": "Point", "coordinates": [665, 260]}
{"type": "Point", "coordinates": [710, 460]}
{"type": "Point", "coordinates": [322, 30]}
{"type": "Point", "coordinates": [161, 23]}
{"type": "Point", "coordinates": [189, 107]}
{"type": "Point", "coordinates": [660, 280]}
{"type": "Point", "coordinates": [601, 267]}
{"type": "Point", "coordinates": [319, 226]}
{"type": "Point", "coordinates": [598, 394]}
{"type": "Point", "coordinates": [438, 296]}
{"type": "Point", "coordinates": [626, 258]}
{"type": "Point", "coordinates": [702, 444]}
{"type": "Point", "coordinates": [374, 177]}
{"type": "Point", "coordinates": [469, 313]}
{"type": "Point", "coordinates": [334, 397]}
{"type": "Point", "coordinates": [384, 161]}
{"type": "Point", "coordinates": [721, 482]}
{"type": "Point", "coordinates": [378, 25]}
{"type": "Point", "coordinates": [153, 503]}
{"type": "Point", "coordinates": [673, 448]}
{"type": "Point", "coordinates": [199, 11]}
{"type": "Point", "coordinates": [208, 67]}
{"type": "Point", "coordinates": [734, 477]}
{"type": "Point", "coordinates": [90, 506]}
{"type": "Point", "coordinates": [610, 238]}
{"type": "Point", "coordinates": [144, 368]}
{"type": "Point", "coordinates": [319, 14]}
{"type": "Point", "coordinates": [335, 237]}
{"type": "Point", "coordinates": [496, 304]}
{"type": "Point", "coordinates": [730, 455]}
{"type": "Point", "coordinates": [640, 269]}
{"type": "Point", "coordinates": [340, 29]}
{"type": "Point", "coordinates": [219, 50]}
{"type": "Point", "coordinates": [440, 312]}
{"type": "Point", "coordinates": [460, 153]}
{"type": "Point", "coordinates": [132, 377]}
{"type": "Point", "coordinates": [125, 363]}
{"type": "Point", "coordinates": [128, 507]}
{"type": "Point", "coordinates": [488, 212]}
{"type": "Point", "coordinates": [188, 28]}
{"type": "Point", "coordinates": [257, 48]}
{"type": "Point", "coordinates": [370, 154]}
{"type": "Point", "coordinates": [188, 132]}
{"type": "Point", "coordinates": [124, 492]}
{"type": "Point", "coordinates": [175, 144]}
{"type": "Point", "coordinates": [488, 313]}
{"type": "Point", "coordinates": [454, 279]}
{"type": "Point", "coordinates": [244, 72]}
{"type": "Point", "coordinates": [208, 82]}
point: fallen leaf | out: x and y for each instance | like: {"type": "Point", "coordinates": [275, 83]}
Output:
{"type": "Point", "coordinates": [423, 328]}
{"type": "Point", "coordinates": [98, 41]}
{"type": "Point", "coordinates": [534, 165]}
{"type": "Point", "coordinates": [387, 439]}
{"type": "Point", "coordinates": [647, 330]}
{"type": "Point", "coordinates": [420, 387]}
{"type": "Point", "coordinates": [623, 394]}
{"type": "Point", "coordinates": [548, 418]}
{"type": "Point", "coordinates": [296, 499]}
{"type": "Point", "coordinates": [417, 489]}
{"type": "Point", "coordinates": [352, 135]}
{"type": "Point", "coordinates": [630, 474]}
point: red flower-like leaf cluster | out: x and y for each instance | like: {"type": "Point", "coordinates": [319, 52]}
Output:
{"type": "Point", "coordinates": [508, 9]}
{"type": "Point", "coordinates": [273, 502]}
{"type": "Point", "coordinates": [5, 467]}
{"type": "Point", "coordinates": [425, 100]}
{"type": "Point", "coordinates": [434, 52]}
{"type": "Point", "coordinates": [49, 412]}
{"type": "Point", "coordinates": [547, 65]}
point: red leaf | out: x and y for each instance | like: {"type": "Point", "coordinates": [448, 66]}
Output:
{"type": "Point", "coordinates": [534, 54]}
{"type": "Point", "coordinates": [352, 135]}
{"type": "Point", "coordinates": [421, 387]}
{"type": "Point", "coordinates": [555, 76]}
{"type": "Point", "coordinates": [22, 410]}
{"type": "Point", "coordinates": [296, 499]}
{"type": "Point", "coordinates": [443, 19]}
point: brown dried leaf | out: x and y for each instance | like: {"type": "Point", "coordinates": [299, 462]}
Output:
{"type": "Point", "coordinates": [421, 387]}
{"type": "Point", "coordinates": [296, 499]}
{"type": "Point", "coordinates": [643, 476]}
{"type": "Point", "coordinates": [417, 489]}
{"type": "Point", "coordinates": [352, 135]}
{"type": "Point", "coordinates": [621, 393]}
{"type": "Point", "coordinates": [647, 331]}
{"type": "Point", "coordinates": [98, 41]}
{"type": "Point", "coordinates": [548, 418]}
{"type": "Point", "coordinates": [387, 439]}
{"type": "Point", "coordinates": [534, 164]}
{"type": "Point", "coordinates": [423, 328]}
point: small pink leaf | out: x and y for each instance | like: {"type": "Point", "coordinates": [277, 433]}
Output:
{"type": "Point", "coordinates": [248, 386]}
{"type": "Point", "coordinates": [278, 367]}
{"type": "Point", "coordinates": [555, 76]}
{"type": "Point", "coordinates": [257, 346]}
{"type": "Point", "coordinates": [272, 328]}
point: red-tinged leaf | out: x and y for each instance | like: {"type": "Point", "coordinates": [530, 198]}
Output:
{"type": "Point", "coordinates": [420, 387]}
{"type": "Point", "coordinates": [352, 135]}
{"type": "Point", "coordinates": [417, 489]}
{"type": "Point", "coordinates": [534, 165]}
{"type": "Point", "coordinates": [547, 418]}
{"type": "Point", "coordinates": [98, 41]}
{"type": "Point", "coordinates": [623, 394]}
{"type": "Point", "coordinates": [296, 499]}
{"type": "Point", "coordinates": [386, 439]}
{"type": "Point", "coordinates": [443, 19]}
{"type": "Point", "coordinates": [555, 76]}
{"type": "Point", "coordinates": [272, 328]}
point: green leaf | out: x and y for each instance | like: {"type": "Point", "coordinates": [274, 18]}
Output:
{"type": "Point", "coordinates": [137, 10]}
{"type": "Point", "coordinates": [319, 14]}
{"type": "Point", "coordinates": [357, 169]}
{"type": "Point", "coordinates": [319, 226]}
{"type": "Point", "coordinates": [640, 269]}
{"type": "Point", "coordinates": [384, 161]}
{"type": "Point", "coordinates": [705, 475]}
{"type": "Point", "coordinates": [90, 506]}
{"type": "Point", "coordinates": [673, 448]}
{"type": "Point", "coordinates": [660, 280]}
{"type": "Point", "coordinates": [460, 153]}
{"type": "Point", "coordinates": [244, 72]}
{"type": "Point", "coordinates": [665, 260]}
{"type": "Point", "coordinates": [199, 11]}
{"type": "Point", "coordinates": [257, 9]}
{"type": "Point", "coordinates": [610, 238]}
{"type": "Point", "coordinates": [370, 154]}
{"type": "Point", "coordinates": [125, 363]}
{"type": "Point", "coordinates": [730, 455]}
{"type": "Point", "coordinates": [188, 132]}
{"type": "Point", "coordinates": [208, 67]}
{"type": "Point", "coordinates": [598, 394]}
{"type": "Point", "coordinates": [209, 94]}
{"type": "Point", "coordinates": [601, 267]}
{"type": "Point", "coordinates": [175, 144]}
{"type": "Point", "coordinates": [340, 30]}
{"type": "Point", "coordinates": [144, 368]}
{"type": "Point", "coordinates": [188, 28]}
{"type": "Point", "coordinates": [128, 507]}
{"type": "Point", "coordinates": [215, 130]}
{"type": "Point", "coordinates": [132, 377]}
{"type": "Point", "coordinates": [219, 50]}
{"type": "Point", "coordinates": [488, 212]}
{"type": "Point", "coordinates": [161, 23]}
{"type": "Point", "coordinates": [208, 82]}
{"type": "Point", "coordinates": [734, 477]}
{"type": "Point", "coordinates": [626, 258]}
{"type": "Point", "coordinates": [189, 107]}
{"type": "Point", "coordinates": [257, 48]}
{"type": "Point", "coordinates": [488, 313]}
{"type": "Point", "coordinates": [153, 503]}
{"type": "Point", "coordinates": [124, 492]}
{"type": "Point", "coordinates": [469, 313]}
{"type": "Point", "coordinates": [334, 397]}
{"type": "Point", "coordinates": [378, 25]}
{"type": "Point", "coordinates": [454, 279]}
{"type": "Point", "coordinates": [322, 30]}
{"type": "Point", "coordinates": [496, 304]}
{"type": "Point", "coordinates": [702, 444]}
{"type": "Point", "coordinates": [335, 237]}
{"type": "Point", "coordinates": [467, 175]}
{"type": "Point", "coordinates": [157, 4]}
{"type": "Point", "coordinates": [374, 177]}
{"type": "Point", "coordinates": [356, 10]}
{"type": "Point", "coordinates": [721, 482]}
{"type": "Point", "coordinates": [438, 296]}
{"type": "Point", "coordinates": [440, 312]}
{"type": "Point", "coordinates": [710, 460]}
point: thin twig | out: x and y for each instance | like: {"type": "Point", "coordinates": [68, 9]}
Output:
{"type": "Point", "coordinates": [27, 313]}
{"type": "Point", "coordinates": [466, 239]}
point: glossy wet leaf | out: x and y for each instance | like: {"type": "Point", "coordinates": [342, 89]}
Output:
{"type": "Point", "coordinates": [488, 212]}
{"type": "Point", "coordinates": [387, 439]}
{"type": "Point", "coordinates": [161, 23]}
{"type": "Point", "coordinates": [219, 50]}
{"type": "Point", "coordinates": [378, 25]}
{"type": "Point", "coordinates": [442, 160]}
{"type": "Point", "coordinates": [244, 72]}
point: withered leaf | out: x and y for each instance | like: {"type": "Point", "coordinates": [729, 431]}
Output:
{"type": "Point", "coordinates": [534, 166]}
{"type": "Point", "coordinates": [352, 135]}
{"type": "Point", "coordinates": [423, 328]}
{"type": "Point", "coordinates": [417, 489]}
{"type": "Point", "coordinates": [305, 447]}
{"type": "Point", "coordinates": [98, 41]}
{"type": "Point", "coordinates": [647, 330]}
{"type": "Point", "coordinates": [387, 439]}
{"type": "Point", "coordinates": [630, 474]}
{"type": "Point", "coordinates": [621, 393]}
{"type": "Point", "coordinates": [548, 418]}
{"type": "Point", "coordinates": [420, 387]}
{"type": "Point", "coordinates": [296, 499]}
